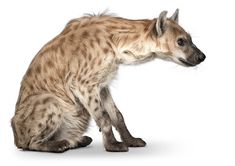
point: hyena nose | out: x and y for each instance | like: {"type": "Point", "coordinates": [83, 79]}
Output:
{"type": "Point", "coordinates": [201, 57]}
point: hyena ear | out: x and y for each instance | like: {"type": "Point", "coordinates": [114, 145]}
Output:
{"type": "Point", "coordinates": [160, 25]}
{"type": "Point", "coordinates": [175, 16]}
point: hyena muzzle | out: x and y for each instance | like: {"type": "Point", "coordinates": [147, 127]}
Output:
{"type": "Point", "coordinates": [67, 81]}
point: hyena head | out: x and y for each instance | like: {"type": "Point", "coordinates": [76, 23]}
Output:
{"type": "Point", "coordinates": [173, 43]}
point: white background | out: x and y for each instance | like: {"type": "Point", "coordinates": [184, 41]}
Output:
{"type": "Point", "coordinates": [186, 115]}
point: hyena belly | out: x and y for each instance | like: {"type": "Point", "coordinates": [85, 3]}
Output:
{"type": "Point", "coordinates": [47, 123]}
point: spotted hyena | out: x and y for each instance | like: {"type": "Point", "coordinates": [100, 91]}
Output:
{"type": "Point", "coordinates": [67, 81]}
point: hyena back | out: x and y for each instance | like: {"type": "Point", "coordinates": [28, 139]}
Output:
{"type": "Point", "coordinates": [67, 81]}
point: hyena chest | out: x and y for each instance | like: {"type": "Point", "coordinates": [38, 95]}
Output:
{"type": "Point", "coordinates": [109, 74]}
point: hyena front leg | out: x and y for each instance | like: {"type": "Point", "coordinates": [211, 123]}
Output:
{"type": "Point", "coordinates": [118, 120]}
{"type": "Point", "coordinates": [93, 103]}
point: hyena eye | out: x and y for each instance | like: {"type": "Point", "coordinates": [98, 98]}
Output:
{"type": "Point", "coordinates": [181, 42]}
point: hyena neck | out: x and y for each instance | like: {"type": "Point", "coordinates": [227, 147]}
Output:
{"type": "Point", "coordinates": [132, 39]}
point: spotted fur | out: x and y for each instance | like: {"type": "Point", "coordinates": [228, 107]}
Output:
{"type": "Point", "coordinates": [67, 81]}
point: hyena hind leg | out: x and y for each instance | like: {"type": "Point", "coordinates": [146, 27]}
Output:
{"type": "Point", "coordinates": [75, 123]}
{"type": "Point", "coordinates": [45, 122]}
{"type": "Point", "coordinates": [63, 129]}
{"type": "Point", "coordinates": [36, 123]}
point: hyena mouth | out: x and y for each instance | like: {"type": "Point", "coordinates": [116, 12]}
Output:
{"type": "Point", "coordinates": [186, 63]}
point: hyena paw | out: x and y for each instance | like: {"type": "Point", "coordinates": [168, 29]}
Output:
{"type": "Point", "coordinates": [85, 141]}
{"type": "Point", "coordinates": [116, 147]}
{"type": "Point", "coordinates": [135, 142]}
{"type": "Point", "coordinates": [59, 146]}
